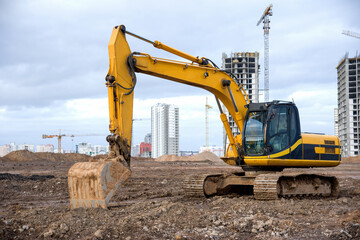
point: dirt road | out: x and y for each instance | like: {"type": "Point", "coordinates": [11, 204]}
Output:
{"type": "Point", "coordinates": [151, 205]}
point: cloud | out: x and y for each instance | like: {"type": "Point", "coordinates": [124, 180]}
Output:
{"type": "Point", "coordinates": [54, 59]}
{"type": "Point", "coordinates": [316, 109]}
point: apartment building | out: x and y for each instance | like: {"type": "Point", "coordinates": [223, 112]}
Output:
{"type": "Point", "coordinates": [348, 84]}
{"type": "Point", "coordinates": [164, 130]}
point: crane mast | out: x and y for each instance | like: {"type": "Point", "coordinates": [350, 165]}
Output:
{"type": "Point", "coordinates": [265, 19]}
{"type": "Point", "coordinates": [56, 136]}
{"type": "Point", "coordinates": [207, 107]}
{"type": "Point", "coordinates": [351, 34]}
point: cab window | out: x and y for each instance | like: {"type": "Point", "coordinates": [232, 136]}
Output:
{"type": "Point", "coordinates": [278, 125]}
{"type": "Point", "coordinates": [294, 127]}
{"type": "Point", "coordinates": [254, 133]}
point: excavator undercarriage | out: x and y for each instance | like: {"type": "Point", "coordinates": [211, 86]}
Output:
{"type": "Point", "coordinates": [264, 185]}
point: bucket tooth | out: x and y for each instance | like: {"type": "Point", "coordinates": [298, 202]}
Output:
{"type": "Point", "coordinates": [92, 184]}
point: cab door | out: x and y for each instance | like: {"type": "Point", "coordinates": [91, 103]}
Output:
{"type": "Point", "coordinates": [283, 129]}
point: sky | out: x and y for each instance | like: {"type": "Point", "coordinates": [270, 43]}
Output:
{"type": "Point", "coordinates": [54, 59]}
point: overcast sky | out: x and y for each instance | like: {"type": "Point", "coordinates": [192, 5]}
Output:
{"type": "Point", "coordinates": [54, 59]}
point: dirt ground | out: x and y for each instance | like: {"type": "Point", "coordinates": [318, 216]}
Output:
{"type": "Point", "coordinates": [34, 204]}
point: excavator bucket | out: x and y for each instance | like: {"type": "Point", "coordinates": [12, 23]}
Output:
{"type": "Point", "coordinates": [92, 184]}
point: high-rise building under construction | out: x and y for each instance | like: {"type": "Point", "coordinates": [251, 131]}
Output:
{"type": "Point", "coordinates": [245, 67]}
{"type": "Point", "coordinates": [348, 84]}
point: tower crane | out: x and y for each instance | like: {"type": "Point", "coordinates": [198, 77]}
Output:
{"type": "Point", "coordinates": [207, 107]}
{"type": "Point", "coordinates": [59, 137]}
{"type": "Point", "coordinates": [351, 34]}
{"type": "Point", "coordinates": [265, 19]}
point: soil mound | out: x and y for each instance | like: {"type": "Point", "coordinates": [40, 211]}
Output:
{"type": "Point", "coordinates": [21, 156]}
{"type": "Point", "coordinates": [25, 155]}
{"type": "Point", "coordinates": [204, 156]}
{"type": "Point", "coordinates": [168, 158]}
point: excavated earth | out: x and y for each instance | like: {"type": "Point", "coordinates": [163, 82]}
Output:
{"type": "Point", "coordinates": [34, 204]}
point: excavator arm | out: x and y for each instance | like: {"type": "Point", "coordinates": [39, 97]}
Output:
{"type": "Point", "coordinates": [92, 184]}
{"type": "Point", "coordinates": [121, 81]}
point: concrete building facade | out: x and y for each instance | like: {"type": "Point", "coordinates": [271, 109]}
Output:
{"type": "Point", "coordinates": [135, 150]}
{"type": "Point", "coordinates": [84, 148]}
{"type": "Point", "coordinates": [45, 148]}
{"type": "Point", "coordinates": [348, 84]}
{"type": "Point", "coordinates": [164, 130]}
{"type": "Point", "coordinates": [25, 146]}
{"type": "Point", "coordinates": [145, 149]}
{"type": "Point", "coordinates": [245, 66]}
{"type": "Point", "coordinates": [336, 122]}
{"type": "Point", "coordinates": [13, 147]}
{"type": "Point", "coordinates": [147, 138]}
{"type": "Point", "coordinates": [4, 150]}
{"type": "Point", "coordinates": [99, 149]}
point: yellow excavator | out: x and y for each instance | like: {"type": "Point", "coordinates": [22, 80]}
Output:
{"type": "Point", "coordinates": [270, 138]}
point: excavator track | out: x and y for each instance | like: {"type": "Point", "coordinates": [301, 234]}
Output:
{"type": "Point", "coordinates": [194, 185]}
{"type": "Point", "coordinates": [265, 186]}
{"type": "Point", "coordinates": [273, 186]}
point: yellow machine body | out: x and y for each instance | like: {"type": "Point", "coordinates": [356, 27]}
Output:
{"type": "Point", "coordinates": [309, 150]}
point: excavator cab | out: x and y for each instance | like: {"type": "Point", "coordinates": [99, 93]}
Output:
{"type": "Point", "coordinates": [270, 128]}
{"type": "Point", "coordinates": [272, 139]}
